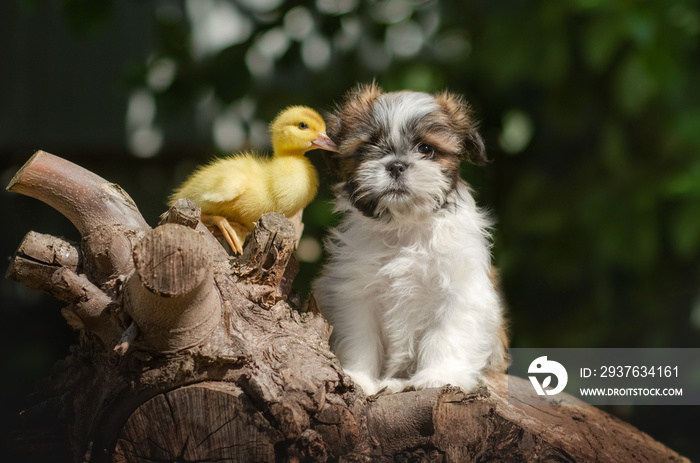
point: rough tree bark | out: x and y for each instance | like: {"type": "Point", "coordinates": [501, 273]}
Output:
{"type": "Point", "coordinates": [186, 354]}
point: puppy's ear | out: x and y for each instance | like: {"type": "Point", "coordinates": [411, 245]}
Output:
{"type": "Point", "coordinates": [348, 118]}
{"type": "Point", "coordinates": [462, 121]}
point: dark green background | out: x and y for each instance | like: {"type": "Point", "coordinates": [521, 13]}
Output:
{"type": "Point", "coordinates": [590, 111]}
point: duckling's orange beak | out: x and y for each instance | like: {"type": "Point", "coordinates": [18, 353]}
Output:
{"type": "Point", "coordinates": [324, 142]}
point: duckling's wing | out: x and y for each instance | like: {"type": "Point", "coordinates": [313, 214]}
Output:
{"type": "Point", "coordinates": [221, 181]}
{"type": "Point", "coordinates": [227, 180]}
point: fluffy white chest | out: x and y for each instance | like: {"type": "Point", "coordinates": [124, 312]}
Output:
{"type": "Point", "coordinates": [409, 278]}
{"type": "Point", "coordinates": [415, 278]}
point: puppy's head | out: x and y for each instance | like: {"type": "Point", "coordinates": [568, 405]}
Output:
{"type": "Point", "coordinates": [399, 152]}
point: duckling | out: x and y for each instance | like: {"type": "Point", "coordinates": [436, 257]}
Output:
{"type": "Point", "coordinates": [234, 192]}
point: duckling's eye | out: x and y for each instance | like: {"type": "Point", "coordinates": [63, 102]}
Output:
{"type": "Point", "coordinates": [303, 125]}
{"type": "Point", "coordinates": [426, 150]}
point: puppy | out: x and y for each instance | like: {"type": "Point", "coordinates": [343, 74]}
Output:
{"type": "Point", "coordinates": [408, 286]}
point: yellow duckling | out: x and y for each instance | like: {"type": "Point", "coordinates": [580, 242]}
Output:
{"type": "Point", "coordinates": [234, 192]}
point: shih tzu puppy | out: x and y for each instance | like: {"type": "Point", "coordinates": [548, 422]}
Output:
{"type": "Point", "coordinates": [408, 286]}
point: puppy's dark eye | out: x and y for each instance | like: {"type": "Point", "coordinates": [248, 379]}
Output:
{"type": "Point", "coordinates": [426, 150]}
{"type": "Point", "coordinates": [303, 125]}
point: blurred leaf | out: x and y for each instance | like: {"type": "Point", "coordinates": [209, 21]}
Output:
{"type": "Point", "coordinates": [687, 128]}
{"type": "Point", "coordinates": [30, 5]}
{"type": "Point", "coordinates": [173, 35]}
{"type": "Point", "coordinates": [623, 225]}
{"type": "Point", "coordinates": [602, 39]}
{"type": "Point", "coordinates": [635, 86]}
{"type": "Point", "coordinates": [87, 17]}
{"type": "Point", "coordinates": [641, 25]}
{"type": "Point", "coordinates": [614, 153]}
{"type": "Point", "coordinates": [686, 183]}
{"type": "Point", "coordinates": [685, 229]}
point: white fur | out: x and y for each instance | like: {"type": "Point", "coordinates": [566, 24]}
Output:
{"type": "Point", "coordinates": [410, 301]}
{"type": "Point", "coordinates": [400, 107]}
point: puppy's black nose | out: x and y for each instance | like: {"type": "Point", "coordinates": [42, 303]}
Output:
{"type": "Point", "coordinates": [396, 168]}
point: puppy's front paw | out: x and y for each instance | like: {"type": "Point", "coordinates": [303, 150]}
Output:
{"type": "Point", "coordinates": [427, 378]}
{"type": "Point", "coordinates": [393, 385]}
{"type": "Point", "coordinates": [369, 385]}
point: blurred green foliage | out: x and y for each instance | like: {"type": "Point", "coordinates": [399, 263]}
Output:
{"type": "Point", "coordinates": [590, 110]}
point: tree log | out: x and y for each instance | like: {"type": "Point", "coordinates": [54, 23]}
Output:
{"type": "Point", "coordinates": [187, 354]}
{"type": "Point", "coordinates": [171, 296]}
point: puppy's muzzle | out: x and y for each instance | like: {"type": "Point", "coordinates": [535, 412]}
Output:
{"type": "Point", "coordinates": [396, 168]}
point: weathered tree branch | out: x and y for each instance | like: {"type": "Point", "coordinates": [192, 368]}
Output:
{"type": "Point", "coordinates": [89, 309]}
{"type": "Point", "coordinates": [217, 363]}
{"type": "Point", "coordinates": [86, 199]}
{"type": "Point", "coordinates": [103, 213]}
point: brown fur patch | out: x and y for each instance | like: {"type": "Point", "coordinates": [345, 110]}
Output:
{"type": "Point", "coordinates": [461, 119]}
{"type": "Point", "coordinates": [501, 365]}
{"type": "Point", "coordinates": [357, 104]}
{"type": "Point", "coordinates": [346, 119]}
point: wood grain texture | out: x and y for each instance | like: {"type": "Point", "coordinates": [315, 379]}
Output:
{"type": "Point", "coordinates": [268, 259]}
{"type": "Point", "coordinates": [203, 422]}
{"type": "Point", "coordinates": [171, 295]}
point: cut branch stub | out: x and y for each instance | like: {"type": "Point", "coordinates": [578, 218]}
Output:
{"type": "Point", "coordinates": [39, 256]}
{"type": "Point", "coordinates": [172, 260]}
{"type": "Point", "coordinates": [268, 258]}
{"type": "Point", "coordinates": [171, 295]}
{"type": "Point", "coordinates": [186, 212]}
{"type": "Point", "coordinates": [52, 264]}
{"type": "Point", "coordinates": [183, 212]}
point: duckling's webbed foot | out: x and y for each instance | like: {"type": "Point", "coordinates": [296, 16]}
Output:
{"type": "Point", "coordinates": [234, 233]}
